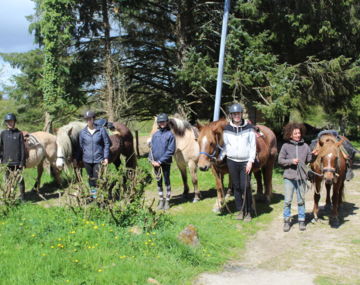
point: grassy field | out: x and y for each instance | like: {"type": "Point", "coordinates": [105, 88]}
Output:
{"type": "Point", "coordinates": [53, 246]}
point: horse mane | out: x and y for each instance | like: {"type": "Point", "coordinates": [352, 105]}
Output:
{"type": "Point", "coordinates": [179, 125]}
{"type": "Point", "coordinates": [68, 134]}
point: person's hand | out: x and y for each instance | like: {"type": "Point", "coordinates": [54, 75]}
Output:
{"type": "Point", "coordinates": [295, 161]}
{"type": "Point", "coordinates": [248, 167]}
{"type": "Point", "coordinates": [155, 164]}
{"type": "Point", "coordinates": [105, 161]}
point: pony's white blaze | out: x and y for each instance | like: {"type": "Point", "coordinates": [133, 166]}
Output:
{"type": "Point", "coordinates": [204, 143]}
{"type": "Point", "coordinates": [329, 161]}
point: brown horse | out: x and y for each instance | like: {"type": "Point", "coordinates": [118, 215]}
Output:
{"type": "Point", "coordinates": [68, 144]}
{"type": "Point", "coordinates": [210, 142]}
{"type": "Point", "coordinates": [330, 165]}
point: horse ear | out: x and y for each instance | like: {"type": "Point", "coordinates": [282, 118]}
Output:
{"type": "Point", "coordinates": [69, 131]}
{"type": "Point", "coordinates": [219, 127]}
{"type": "Point", "coordinates": [198, 125]}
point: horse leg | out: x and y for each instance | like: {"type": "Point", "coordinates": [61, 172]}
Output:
{"type": "Point", "coordinates": [193, 172]}
{"type": "Point", "coordinates": [334, 221]}
{"type": "Point", "coordinates": [40, 170]}
{"type": "Point", "coordinates": [267, 174]}
{"type": "Point", "coordinates": [220, 190]}
{"type": "Point", "coordinates": [328, 201]}
{"type": "Point", "coordinates": [180, 162]}
{"type": "Point", "coordinates": [316, 199]}
{"type": "Point", "coordinates": [259, 193]}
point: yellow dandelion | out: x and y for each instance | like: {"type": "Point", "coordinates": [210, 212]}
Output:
{"type": "Point", "coordinates": [147, 234]}
{"type": "Point", "coordinates": [153, 233]}
{"type": "Point", "coordinates": [72, 232]}
{"type": "Point", "coordinates": [87, 222]}
{"type": "Point", "coordinates": [33, 235]}
{"type": "Point", "coordinates": [100, 270]}
{"type": "Point", "coordinates": [116, 237]}
{"type": "Point", "coordinates": [43, 254]}
{"type": "Point", "coordinates": [95, 227]}
{"type": "Point", "coordinates": [67, 281]}
{"type": "Point", "coordinates": [21, 224]}
{"type": "Point", "coordinates": [103, 225]}
{"type": "Point", "coordinates": [76, 260]}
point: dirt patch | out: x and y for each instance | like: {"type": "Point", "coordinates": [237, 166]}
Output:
{"type": "Point", "coordinates": [275, 257]}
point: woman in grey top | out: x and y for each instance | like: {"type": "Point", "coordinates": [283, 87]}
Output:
{"type": "Point", "coordinates": [294, 152]}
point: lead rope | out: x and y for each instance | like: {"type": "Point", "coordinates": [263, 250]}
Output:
{"type": "Point", "coordinates": [157, 173]}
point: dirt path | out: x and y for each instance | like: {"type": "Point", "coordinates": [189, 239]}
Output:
{"type": "Point", "coordinates": [319, 255]}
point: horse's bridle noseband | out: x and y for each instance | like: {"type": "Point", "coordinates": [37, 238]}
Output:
{"type": "Point", "coordinates": [213, 155]}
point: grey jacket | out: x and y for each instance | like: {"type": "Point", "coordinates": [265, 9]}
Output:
{"type": "Point", "coordinates": [288, 152]}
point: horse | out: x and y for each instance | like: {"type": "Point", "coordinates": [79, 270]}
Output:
{"type": "Point", "coordinates": [187, 152]}
{"type": "Point", "coordinates": [39, 147]}
{"type": "Point", "coordinates": [330, 166]}
{"type": "Point", "coordinates": [67, 140]}
{"type": "Point", "coordinates": [210, 142]}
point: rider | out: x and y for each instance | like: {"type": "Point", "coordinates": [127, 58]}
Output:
{"type": "Point", "coordinates": [12, 149]}
{"type": "Point", "coordinates": [162, 149]}
{"type": "Point", "coordinates": [346, 147]}
{"type": "Point", "coordinates": [240, 148]}
{"type": "Point", "coordinates": [293, 153]}
{"type": "Point", "coordinates": [95, 148]}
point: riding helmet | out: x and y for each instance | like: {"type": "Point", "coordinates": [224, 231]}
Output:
{"type": "Point", "coordinates": [162, 118]}
{"type": "Point", "coordinates": [89, 114]}
{"type": "Point", "coordinates": [10, 117]}
{"type": "Point", "coordinates": [236, 108]}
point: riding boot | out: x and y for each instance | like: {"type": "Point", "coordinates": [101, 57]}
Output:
{"type": "Point", "coordinates": [287, 226]}
{"type": "Point", "coordinates": [302, 226]}
{"type": "Point", "coordinates": [161, 204]}
{"type": "Point", "coordinates": [167, 205]}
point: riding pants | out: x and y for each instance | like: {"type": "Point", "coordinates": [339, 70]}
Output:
{"type": "Point", "coordinates": [165, 168]}
{"type": "Point", "coordinates": [241, 185]}
{"type": "Point", "coordinates": [92, 170]}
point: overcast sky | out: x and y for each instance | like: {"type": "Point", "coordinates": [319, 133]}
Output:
{"type": "Point", "coordinates": [14, 35]}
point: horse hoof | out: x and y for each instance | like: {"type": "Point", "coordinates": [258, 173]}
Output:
{"type": "Point", "coordinates": [196, 200]}
{"type": "Point", "coordinates": [216, 210]}
{"type": "Point", "coordinates": [334, 222]}
{"type": "Point", "coordinates": [185, 196]}
{"type": "Point", "coordinates": [260, 198]}
{"type": "Point", "coordinates": [314, 220]}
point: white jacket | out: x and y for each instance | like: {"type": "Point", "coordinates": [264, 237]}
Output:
{"type": "Point", "coordinates": [239, 142]}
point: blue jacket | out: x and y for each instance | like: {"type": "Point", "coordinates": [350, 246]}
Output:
{"type": "Point", "coordinates": [95, 148]}
{"type": "Point", "coordinates": [162, 146]}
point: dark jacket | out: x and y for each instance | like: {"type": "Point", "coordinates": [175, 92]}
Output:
{"type": "Point", "coordinates": [12, 148]}
{"type": "Point", "coordinates": [162, 146]}
{"type": "Point", "coordinates": [288, 152]}
{"type": "Point", "coordinates": [95, 148]}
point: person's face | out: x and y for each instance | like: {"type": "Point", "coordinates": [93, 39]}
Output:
{"type": "Point", "coordinates": [162, 124]}
{"type": "Point", "coordinates": [296, 135]}
{"type": "Point", "coordinates": [10, 124]}
{"type": "Point", "coordinates": [236, 117]}
{"type": "Point", "coordinates": [90, 122]}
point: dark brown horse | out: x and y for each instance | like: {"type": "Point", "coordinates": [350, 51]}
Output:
{"type": "Point", "coordinates": [330, 165]}
{"type": "Point", "coordinates": [210, 142]}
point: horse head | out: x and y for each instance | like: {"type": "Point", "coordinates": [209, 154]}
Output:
{"type": "Point", "coordinates": [329, 159]}
{"type": "Point", "coordinates": [210, 141]}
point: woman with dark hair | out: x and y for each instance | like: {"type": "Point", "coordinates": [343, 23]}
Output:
{"type": "Point", "coordinates": [294, 152]}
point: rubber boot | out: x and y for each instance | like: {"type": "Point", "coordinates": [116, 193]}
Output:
{"type": "Point", "coordinates": [167, 205]}
{"type": "Point", "coordinates": [247, 218]}
{"type": "Point", "coordinates": [161, 204]}
{"type": "Point", "coordinates": [286, 227]}
{"type": "Point", "coordinates": [302, 226]}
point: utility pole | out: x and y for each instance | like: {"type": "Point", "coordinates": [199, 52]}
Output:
{"type": "Point", "coordinates": [221, 61]}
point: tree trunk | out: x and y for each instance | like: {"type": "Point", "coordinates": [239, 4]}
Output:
{"type": "Point", "coordinates": [109, 94]}
{"type": "Point", "coordinates": [48, 123]}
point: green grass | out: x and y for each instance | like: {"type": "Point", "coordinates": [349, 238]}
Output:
{"type": "Point", "coordinates": [53, 246]}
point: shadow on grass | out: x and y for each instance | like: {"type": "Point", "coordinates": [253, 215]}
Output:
{"type": "Point", "coordinates": [49, 190]}
{"type": "Point", "coordinates": [180, 199]}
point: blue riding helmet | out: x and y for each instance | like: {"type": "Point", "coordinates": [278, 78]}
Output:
{"type": "Point", "coordinates": [162, 118]}
{"type": "Point", "coordinates": [236, 108]}
{"type": "Point", "coordinates": [10, 117]}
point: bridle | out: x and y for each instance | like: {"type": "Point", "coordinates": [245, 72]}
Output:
{"type": "Point", "coordinates": [212, 156]}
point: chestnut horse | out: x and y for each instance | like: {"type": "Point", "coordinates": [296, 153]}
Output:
{"type": "Point", "coordinates": [330, 165]}
{"type": "Point", "coordinates": [210, 142]}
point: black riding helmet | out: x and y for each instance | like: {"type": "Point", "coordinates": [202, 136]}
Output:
{"type": "Point", "coordinates": [10, 117]}
{"type": "Point", "coordinates": [236, 108]}
{"type": "Point", "coordinates": [162, 118]}
{"type": "Point", "coordinates": [89, 114]}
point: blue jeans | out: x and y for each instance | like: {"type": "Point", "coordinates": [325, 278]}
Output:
{"type": "Point", "coordinates": [292, 186]}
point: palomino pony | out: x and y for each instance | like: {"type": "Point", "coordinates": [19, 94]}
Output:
{"type": "Point", "coordinates": [330, 165]}
{"type": "Point", "coordinates": [68, 145]}
{"type": "Point", "coordinates": [41, 146]}
{"type": "Point", "coordinates": [210, 142]}
{"type": "Point", "coordinates": [187, 152]}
